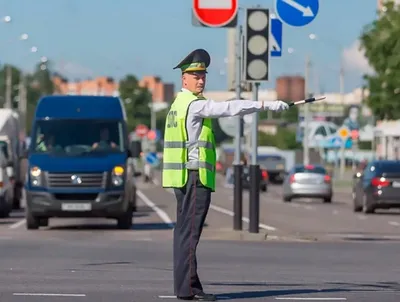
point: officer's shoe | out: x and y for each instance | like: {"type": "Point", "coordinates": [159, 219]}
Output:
{"type": "Point", "coordinates": [200, 297]}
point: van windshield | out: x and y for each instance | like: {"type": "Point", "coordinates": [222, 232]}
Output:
{"type": "Point", "coordinates": [77, 137]}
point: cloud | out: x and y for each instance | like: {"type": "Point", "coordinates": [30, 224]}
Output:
{"type": "Point", "coordinates": [354, 59]}
{"type": "Point", "coordinates": [73, 70]}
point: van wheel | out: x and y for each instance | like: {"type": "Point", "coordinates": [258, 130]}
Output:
{"type": "Point", "coordinates": [124, 222]}
{"type": "Point", "coordinates": [287, 199]}
{"type": "Point", "coordinates": [32, 222]}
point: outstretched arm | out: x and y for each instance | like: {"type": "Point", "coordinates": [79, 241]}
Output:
{"type": "Point", "coordinates": [213, 109]}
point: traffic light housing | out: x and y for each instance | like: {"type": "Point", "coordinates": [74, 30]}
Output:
{"type": "Point", "coordinates": [256, 45]}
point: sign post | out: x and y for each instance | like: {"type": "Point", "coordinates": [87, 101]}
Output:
{"type": "Point", "coordinates": [344, 134]}
{"type": "Point", "coordinates": [215, 13]}
{"type": "Point", "coordinates": [300, 13]}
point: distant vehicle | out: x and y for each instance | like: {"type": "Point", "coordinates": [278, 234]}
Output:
{"type": "Point", "coordinates": [246, 179]}
{"type": "Point", "coordinates": [274, 164]}
{"type": "Point", "coordinates": [12, 149]}
{"type": "Point", "coordinates": [79, 161]}
{"type": "Point", "coordinates": [307, 181]}
{"type": "Point", "coordinates": [6, 188]}
{"type": "Point", "coordinates": [377, 186]}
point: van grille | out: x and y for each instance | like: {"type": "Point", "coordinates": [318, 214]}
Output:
{"type": "Point", "coordinates": [82, 180]}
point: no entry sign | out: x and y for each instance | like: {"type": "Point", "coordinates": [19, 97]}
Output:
{"type": "Point", "coordinates": [141, 130]}
{"type": "Point", "coordinates": [215, 13]}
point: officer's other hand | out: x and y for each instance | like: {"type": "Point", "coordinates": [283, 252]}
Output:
{"type": "Point", "coordinates": [276, 105]}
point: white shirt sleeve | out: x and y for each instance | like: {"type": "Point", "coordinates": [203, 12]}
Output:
{"type": "Point", "coordinates": [213, 109]}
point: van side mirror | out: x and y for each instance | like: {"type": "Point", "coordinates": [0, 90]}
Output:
{"type": "Point", "coordinates": [135, 149]}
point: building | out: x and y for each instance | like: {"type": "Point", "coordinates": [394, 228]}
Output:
{"type": "Point", "coordinates": [162, 92]}
{"type": "Point", "coordinates": [98, 86]}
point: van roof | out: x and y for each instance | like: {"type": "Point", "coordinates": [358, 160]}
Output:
{"type": "Point", "coordinates": [79, 106]}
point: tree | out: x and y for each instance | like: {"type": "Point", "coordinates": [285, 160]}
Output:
{"type": "Point", "coordinates": [42, 78]}
{"type": "Point", "coordinates": [380, 42]}
{"type": "Point", "coordinates": [137, 100]}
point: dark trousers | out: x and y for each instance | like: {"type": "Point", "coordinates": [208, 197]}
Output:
{"type": "Point", "coordinates": [193, 202]}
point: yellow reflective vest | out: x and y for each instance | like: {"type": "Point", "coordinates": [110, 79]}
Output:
{"type": "Point", "coordinates": [175, 158]}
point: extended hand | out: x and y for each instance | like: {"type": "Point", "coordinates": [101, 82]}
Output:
{"type": "Point", "coordinates": [275, 105]}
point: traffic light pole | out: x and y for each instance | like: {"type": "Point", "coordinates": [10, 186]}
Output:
{"type": "Point", "coordinates": [254, 208]}
{"type": "Point", "coordinates": [237, 166]}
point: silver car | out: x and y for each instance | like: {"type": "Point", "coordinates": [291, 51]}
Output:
{"type": "Point", "coordinates": [310, 181]}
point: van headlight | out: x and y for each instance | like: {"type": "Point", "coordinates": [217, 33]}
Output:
{"type": "Point", "coordinates": [117, 176]}
{"type": "Point", "coordinates": [36, 176]}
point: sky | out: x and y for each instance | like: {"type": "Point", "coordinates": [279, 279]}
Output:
{"type": "Point", "coordinates": [88, 38]}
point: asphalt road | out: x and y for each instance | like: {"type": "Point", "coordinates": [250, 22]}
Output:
{"type": "Point", "coordinates": [90, 260]}
{"type": "Point", "coordinates": [307, 218]}
{"type": "Point", "coordinates": [100, 268]}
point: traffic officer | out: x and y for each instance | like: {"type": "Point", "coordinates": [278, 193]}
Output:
{"type": "Point", "coordinates": [189, 164]}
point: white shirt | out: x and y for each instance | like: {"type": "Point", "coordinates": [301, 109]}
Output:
{"type": "Point", "coordinates": [200, 109]}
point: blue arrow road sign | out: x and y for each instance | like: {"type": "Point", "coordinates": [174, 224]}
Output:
{"type": "Point", "coordinates": [152, 159]}
{"type": "Point", "coordinates": [297, 12]}
{"type": "Point", "coordinates": [276, 38]}
{"type": "Point", "coordinates": [337, 141]}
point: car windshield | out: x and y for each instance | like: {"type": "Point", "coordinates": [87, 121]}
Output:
{"type": "Point", "coordinates": [78, 137]}
{"type": "Point", "coordinates": [310, 169]}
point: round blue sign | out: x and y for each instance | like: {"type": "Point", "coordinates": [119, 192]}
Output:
{"type": "Point", "coordinates": [297, 12]}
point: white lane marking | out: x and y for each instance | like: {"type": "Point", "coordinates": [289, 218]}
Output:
{"type": "Point", "coordinates": [310, 299]}
{"type": "Point", "coordinates": [167, 297]}
{"type": "Point", "coordinates": [17, 224]}
{"type": "Point", "coordinates": [309, 207]}
{"type": "Point", "coordinates": [394, 223]}
{"type": "Point", "coordinates": [162, 214]}
{"type": "Point", "coordinates": [155, 181]}
{"type": "Point", "coordinates": [362, 217]}
{"type": "Point", "coordinates": [335, 212]}
{"type": "Point", "coordinates": [245, 219]}
{"type": "Point", "coordinates": [49, 295]}
{"type": "Point", "coordinates": [230, 213]}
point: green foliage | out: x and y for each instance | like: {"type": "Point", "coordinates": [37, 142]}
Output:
{"type": "Point", "coordinates": [381, 44]}
{"type": "Point", "coordinates": [284, 139]}
{"type": "Point", "coordinates": [37, 84]}
{"type": "Point", "coordinates": [137, 100]}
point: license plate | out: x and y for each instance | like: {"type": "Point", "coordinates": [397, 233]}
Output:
{"type": "Point", "coordinates": [396, 184]}
{"type": "Point", "coordinates": [279, 166]}
{"type": "Point", "coordinates": [76, 207]}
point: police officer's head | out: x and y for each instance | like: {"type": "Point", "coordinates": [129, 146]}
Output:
{"type": "Point", "coordinates": [194, 70]}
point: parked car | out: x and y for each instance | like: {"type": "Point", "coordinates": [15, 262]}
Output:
{"type": "Point", "coordinates": [307, 181]}
{"type": "Point", "coordinates": [377, 186]}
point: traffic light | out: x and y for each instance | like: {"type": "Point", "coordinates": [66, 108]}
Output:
{"type": "Point", "coordinates": [256, 45]}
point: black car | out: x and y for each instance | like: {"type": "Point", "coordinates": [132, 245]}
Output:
{"type": "Point", "coordinates": [246, 178]}
{"type": "Point", "coordinates": [377, 186]}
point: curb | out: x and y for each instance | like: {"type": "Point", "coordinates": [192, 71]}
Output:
{"type": "Point", "coordinates": [229, 234]}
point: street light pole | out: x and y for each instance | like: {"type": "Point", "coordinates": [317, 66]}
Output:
{"type": "Point", "coordinates": [306, 151]}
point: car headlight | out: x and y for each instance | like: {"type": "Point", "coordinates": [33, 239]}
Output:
{"type": "Point", "coordinates": [36, 176]}
{"type": "Point", "coordinates": [117, 176]}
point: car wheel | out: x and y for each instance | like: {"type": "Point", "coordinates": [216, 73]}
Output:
{"type": "Point", "coordinates": [133, 201]}
{"type": "Point", "coordinates": [124, 222]}
{"type": "Point", "coordinates": [32, 222]}
{"type": "Point", "coordinates": [356, 208]}
{"type": "Point", "coordinates": [287, 199]}
{"type": "Point", "coordinates": [44, 222]}
{"type": "Point", "coordinates": [367, 207]}
{"type": "Point", "coordinates": [328, 199]}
